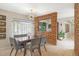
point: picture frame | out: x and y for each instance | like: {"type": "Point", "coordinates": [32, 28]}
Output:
{"type": "Point", "coordinates": [42, 26]}
{"type": "Point", "coordinates": [45, 25]}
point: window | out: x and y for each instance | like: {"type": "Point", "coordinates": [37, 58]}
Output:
{"type": "Point", "coordinates": [21, 27]}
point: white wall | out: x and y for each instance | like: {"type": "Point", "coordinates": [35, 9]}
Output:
{"type": "Point", "coordinates": [65, 13]}
{"type": "Point", "coordinates": [4, 43]}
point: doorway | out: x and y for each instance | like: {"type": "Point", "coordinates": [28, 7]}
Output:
{"type": "Point", "coordinates": [65, 31]}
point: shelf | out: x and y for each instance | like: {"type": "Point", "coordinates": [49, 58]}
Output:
{"type": "Point", "coordinates": [3, 33]}
{"type": "Point", "coordinates": [2, 27]}
{"type": "Point", "coordinates": [2, 17]}
{"type": "Point", "coordinates": [2, 21]}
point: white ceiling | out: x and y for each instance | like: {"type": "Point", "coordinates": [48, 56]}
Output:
{"type": "Point", "coordinates": [63, 9]}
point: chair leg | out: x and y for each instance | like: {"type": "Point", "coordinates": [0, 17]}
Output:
{"type": "Point", "coordinates": [21, 50]}
{"type": "Point", "coordinates": [24, 51]}
{"type": "Point", "coordinates": [45, 48]}
{"type": "Point", "coordinates": [32, 50]}
{"type": "Point", "coordinates": [39, 51]}
{"type": "Point", "coordinates": [11, 51]}
{"type": "Point", "coordinates": [16, 52]}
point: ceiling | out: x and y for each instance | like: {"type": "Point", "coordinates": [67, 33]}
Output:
{"type": "Point", "coordinates": [40, 8]}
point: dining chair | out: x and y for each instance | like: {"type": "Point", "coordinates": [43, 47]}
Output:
{"type": "Point", "coordinates": [15, 44]}
{"type": "Point", "coordinates": [43, 42]}
{"type": "Point", "coordinates": [12, 44]}
{"type": "Point", "coordinates": [35, 44]}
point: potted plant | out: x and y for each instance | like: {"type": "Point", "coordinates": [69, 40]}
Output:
{"type": "Point", "coordinates": [61, 35]}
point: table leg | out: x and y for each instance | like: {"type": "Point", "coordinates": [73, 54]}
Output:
{"type": "Point", "coordinates": [24, 49]}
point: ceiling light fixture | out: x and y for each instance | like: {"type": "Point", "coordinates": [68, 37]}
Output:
{"type": "Point", "coordinates": [31, 15]}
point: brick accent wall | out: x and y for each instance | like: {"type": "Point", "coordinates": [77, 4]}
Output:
{"type": "Point", "coordinates": [51, 36]}
{"type": "Point", "coordinates": [77, 29]}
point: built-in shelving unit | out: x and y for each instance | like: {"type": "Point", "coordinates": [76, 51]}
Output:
{"type": "Point", "coordinates": [2, 27]}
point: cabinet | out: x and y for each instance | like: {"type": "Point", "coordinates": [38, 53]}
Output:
{"type": "Point", "coordinates": [2, 27]}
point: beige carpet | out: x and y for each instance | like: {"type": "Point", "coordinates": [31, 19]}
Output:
{"type": "Point", "coordinates": [51, 51]}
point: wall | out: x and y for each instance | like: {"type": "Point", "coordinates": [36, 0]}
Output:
{"type": "Point", "coordinates": [70, 21]}
{"type": "Point", "coordinates": [4, 43]}
{"type": "Point", "coordinates": [63, 13]}
{"type": "Point", "coordinates": [52, 35]}
{"type": "Point", "coordinates": [76, 29]}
